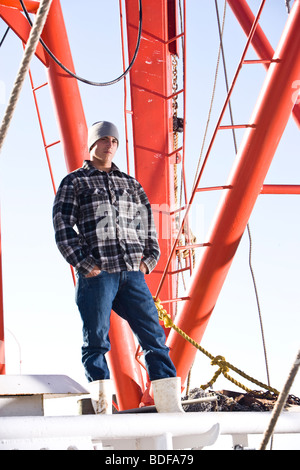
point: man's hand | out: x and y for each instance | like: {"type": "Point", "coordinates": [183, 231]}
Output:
{"type": "Point", "coordinates": [143, 268]}
{"type": "Point", "coordinates": [94, 272]}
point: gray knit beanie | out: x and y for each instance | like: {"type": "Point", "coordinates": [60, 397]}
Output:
{"type": "Point", "coordinates": [101, 129]}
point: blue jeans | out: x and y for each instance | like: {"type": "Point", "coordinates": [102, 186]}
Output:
{"type": "Point", "coordinates": [127, 294]}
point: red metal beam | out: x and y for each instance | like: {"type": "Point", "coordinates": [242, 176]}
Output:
{"type": "Point", "coordinates": [152, 118]}
{"type": "Point", "coordinates": [212, 141]}
{"type": "Point", "coordinates": [260, 42]}
{"type": "Point", "coordinates": [266, 189]}
{"type": "Point", "coordinates": [18, 23]}
{"type": "Point", "coordinates": [255, 155]}
{"type": "Point", "coordinates": [31, 5]}
{"type": "Point", "coordinates": [152, 122]}
{"type": "Point", "coordinates": [280, 189]}
{"type": "Point", "coordinates": [65, 91]}
{"type": "Point", "coordinates": [128, 379]}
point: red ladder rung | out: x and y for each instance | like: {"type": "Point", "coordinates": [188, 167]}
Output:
{"type": "Point", "coordinates": [260, 61]}
{"type": "Point", "coordinates": [39, 87]}
{"type": "Point", "coordinates": [237, 126]}
{"type": "Point", "coordinates": [52, 145]}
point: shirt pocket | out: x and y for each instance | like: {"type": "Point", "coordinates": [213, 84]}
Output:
{"type": "Point", "coordinates": [134, 215]}
{"type": "Point", "coordinates": [125, 193]}
{"type": "Point", "coordinates": [127, 202]}
{"type": "Point", "coordinates": [90, 199]}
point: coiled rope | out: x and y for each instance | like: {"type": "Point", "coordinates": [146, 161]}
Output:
{"type": "Point", "coordinates": [29, 51]}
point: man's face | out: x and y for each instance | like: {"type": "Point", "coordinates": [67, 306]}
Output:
{"type": "Point", "coordinates": [104, 150]}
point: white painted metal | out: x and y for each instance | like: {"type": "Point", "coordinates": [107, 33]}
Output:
{"type": "Point", "coordinates": [23, 395]}
{"type": "Point", "coordinates": [22, 405]}
{"type": "Point", "coordinates": [132, 432]}
{"type": "Point", "coordinates": [147, 431]}
{"type": "Point", "coordinates": [79, 443]}
{"type": "Point", "coordinates": [52, 385]}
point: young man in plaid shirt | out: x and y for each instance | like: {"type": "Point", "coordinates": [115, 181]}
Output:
{"type": "Point", "coordinates": [104, 228]}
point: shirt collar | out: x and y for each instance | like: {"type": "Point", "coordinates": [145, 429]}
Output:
{"type": "Point", "coordinates": [87, 165]}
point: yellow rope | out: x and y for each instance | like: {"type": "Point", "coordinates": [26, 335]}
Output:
{"type": "Point", "coordinates": [219, 361]}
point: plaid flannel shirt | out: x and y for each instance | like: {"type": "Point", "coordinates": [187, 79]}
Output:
{"type": "Point", "coordinates": [104, 219]}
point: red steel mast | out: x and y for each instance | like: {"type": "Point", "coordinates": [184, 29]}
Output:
{"type": "Point", "coordinates": [269, 119]}
{"type": "Point", "coordinates": [152, 118]}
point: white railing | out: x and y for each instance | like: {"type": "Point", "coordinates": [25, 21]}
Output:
{"type": "Point", "coordinates": [139, 431]}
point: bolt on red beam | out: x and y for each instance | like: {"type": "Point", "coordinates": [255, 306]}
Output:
{"type": "Point", "coordinates": [253, 160]}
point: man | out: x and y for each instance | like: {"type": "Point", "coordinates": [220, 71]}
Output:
{"type": "Point", "coordinates": [104, 228]}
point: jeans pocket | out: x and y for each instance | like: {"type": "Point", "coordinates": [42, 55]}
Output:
{"type": "Point", "coordinates": [93, 277]}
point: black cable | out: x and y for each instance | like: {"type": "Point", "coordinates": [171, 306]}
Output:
{"type": "Point", "coordinates": [5, 34]}
{"type": "Point", "coordinates": [84, 80]}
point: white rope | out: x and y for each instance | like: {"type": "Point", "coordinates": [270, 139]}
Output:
{"type": "Point", "coordinates": [29, 51]}
{"type": "Point", "coordinates": [280, 403]}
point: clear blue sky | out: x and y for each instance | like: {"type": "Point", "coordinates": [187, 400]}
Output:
{"type": "Point", "coordinates": [38, 288]}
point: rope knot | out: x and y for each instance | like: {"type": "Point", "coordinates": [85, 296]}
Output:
{"type": "Point", "coordinates": [162, 314]}
{"type": "Point", "coordinates": [220, 361]}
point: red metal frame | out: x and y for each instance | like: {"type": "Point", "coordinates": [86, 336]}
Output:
{"type": "Point", "coordinates": [269, 120]}
{"type": "Point", "coordinates": [66, 96]}
{"type": "Point", "coordinates": [18, 23]}
{"type": "Point", "coordinates": [280, 189]}
{"type": "Point", "coordinates": [152, 118]}
{"type": "Point", "coordinates": [31, 5]}
{"type": "Point", "coordinates": [217, 128]}
{"type": "Point", "coordinates": [151, 98]}
{"type": "Point", "coordinates": [260, 42]}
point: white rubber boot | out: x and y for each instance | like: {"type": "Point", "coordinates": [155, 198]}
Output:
{"type": "Point", "coordinates": [167, 395]}
{"type": "Point", "coordinates": [101, 395]}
